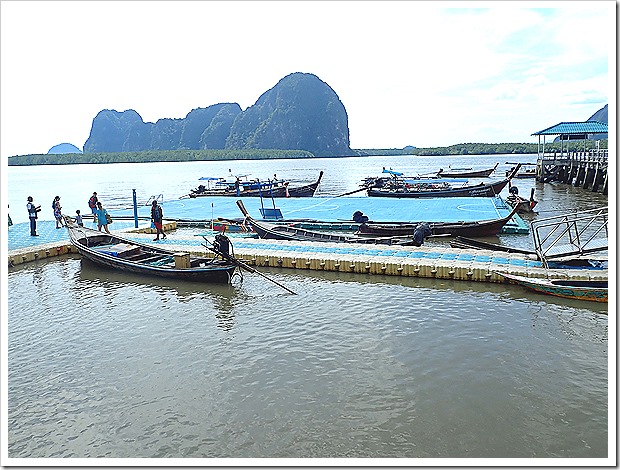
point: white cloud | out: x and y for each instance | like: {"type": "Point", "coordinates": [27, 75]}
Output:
{"type": "Point", "coordinates": [419, 73]}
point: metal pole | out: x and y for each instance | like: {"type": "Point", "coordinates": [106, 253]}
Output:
{"type": "Point", "coordinates": [135, 209]}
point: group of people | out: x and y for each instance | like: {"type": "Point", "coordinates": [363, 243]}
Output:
{"type": "Point", "coordinates": [100, 215]}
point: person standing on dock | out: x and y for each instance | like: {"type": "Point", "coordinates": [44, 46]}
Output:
{"type": "Point", "coordinates": [33, 212]}
{"type": "Point", "coordinates": [92, 203]}
{"type": "Point", "coordinates": [157, 216]}
{"type": "Point", "coordinates": [57, 211]}
{"type": "Point", "coordinates": [102, 219]}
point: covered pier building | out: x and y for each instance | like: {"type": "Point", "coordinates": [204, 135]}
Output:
{"type": "Point", "coordinates": [581, 168]}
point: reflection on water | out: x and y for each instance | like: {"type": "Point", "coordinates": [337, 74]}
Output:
{"type": "Point", "coordinates": [105, 364]}
{"type": "Point", "coordinates": [224, 299]}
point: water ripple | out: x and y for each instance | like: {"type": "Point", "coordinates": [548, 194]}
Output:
{"type": "Point", "coordinates": [103, 364]}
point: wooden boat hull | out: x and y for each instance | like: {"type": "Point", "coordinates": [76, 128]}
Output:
{"type": "Point", "coordinates": [527, 173]}
{"type": "Point", "coordinates": [282, 190]}
{"type": "Point", "coordinates": [114, 252]}
{"type": "Point", "coordinates": [482, 228]}
{"type": "Point", "coordinates": [467, 174]}
{"type": "Point", "coordinates": [269, 231]}
{"type": "Point", "coordinates": [470, 244]}
{"type": "Point", "coordinates": [595, 291]}
{"type": "Point", "coordinates": [480, 190]}
{"type": "Point", "coordinates": [524, 206]}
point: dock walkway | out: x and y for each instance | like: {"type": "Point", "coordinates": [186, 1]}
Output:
{"type": "Point", "coordinates": [431, 261]}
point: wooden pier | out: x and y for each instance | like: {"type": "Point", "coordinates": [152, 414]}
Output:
{"type": "Point", "coordinates": [587, 170]}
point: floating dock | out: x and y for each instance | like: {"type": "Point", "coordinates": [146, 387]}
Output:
{"type": "Point", "coordinates": [429, 261]}
{"type": "Point", "coordinates": [339, 209]}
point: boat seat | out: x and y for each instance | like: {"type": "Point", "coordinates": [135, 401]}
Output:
{"type": "Point", "coordinates": [164, 261]}
{"type": "Point", "coordinates": [147, 257]}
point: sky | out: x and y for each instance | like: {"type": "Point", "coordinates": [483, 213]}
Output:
{"type": "Point", "coordinates": [426, 74]}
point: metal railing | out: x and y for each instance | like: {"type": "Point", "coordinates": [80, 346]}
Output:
{"type": "Point", "coordinates": [571, 234]}
{"type": "Point", "coordinates": [590, 156]}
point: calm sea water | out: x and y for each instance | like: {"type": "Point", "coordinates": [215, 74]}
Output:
{"type": "Point", "coordinates": [103, 364]}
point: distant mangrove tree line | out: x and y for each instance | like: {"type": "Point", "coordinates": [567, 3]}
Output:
{"type": "Point", "coordinates": [485, 149]}
{"type": "Point", "coordinates": [266, 154]}
{"type": "Point", "coordinates": [156, 156]}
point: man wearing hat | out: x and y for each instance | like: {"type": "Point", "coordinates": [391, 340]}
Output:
{"type": "Point", "coordinates": [33, 215]}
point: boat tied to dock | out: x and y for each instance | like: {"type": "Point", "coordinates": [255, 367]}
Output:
{"type": "Point", "coordinates": [254, 188]}
{"type": "Point", "coordinates": [467, 173]}
{"type": "Point", "coordinates": [591, 290]}
{"type": "Point", "coordinates": [430, 189]}
{"type": "Point", "coordinates": [115, 252]}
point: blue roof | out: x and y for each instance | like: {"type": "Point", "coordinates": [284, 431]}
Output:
{"type": "Point", "coordinates": [568, 128]}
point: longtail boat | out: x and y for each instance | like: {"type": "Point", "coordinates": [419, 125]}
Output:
{"type": "Point", "coordinates": [524, 206]}
{"type": "Point", "coordinates": [479, 228]}
{"type": "Point", "coordinates": [595, 291]}
{"type": "Point", "coordinates": [115, 252]}
{"type": "Point", "coordinates": [471, 244]}
{"type": "Point", "coordinates": [429, 190]}
{"type": "Point", "coordinates": [467, 174]}
{"type": "Point", "coordinates": [271, 231]}
{"type": "Point", "coordinates": [267, 188]}
{"type": "Point", "coordinates": [398, 178]}
{"type": "Point", "coordinates": [526, 172]}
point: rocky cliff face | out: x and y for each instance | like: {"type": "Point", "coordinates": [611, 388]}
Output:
{"type": "Point", "coordinates": [300, 113]}
{"type": "Point", "coordinates": [114, 131]}
{"type": "Point", "coordinates": [111, 129]}
{"type": "Point", "coordinates": [602, 115]}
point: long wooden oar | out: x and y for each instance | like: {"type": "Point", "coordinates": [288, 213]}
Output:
{"type": "Point", "coordinates": [353, 192]}
{"type": "Point", "coordinates": [241, 264]}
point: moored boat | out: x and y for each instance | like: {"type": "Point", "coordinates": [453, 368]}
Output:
{"type": "Point", "coordinates": [267, 230]}
{"type": "Point", "coordinates": [398, 178]}
{"type": "Point", "coordinates": [591, 290]}
{"type": "Point", "coordinates": [526, 171]}
{"type": "Point", "coordinates": [523, 206]}
{"type": "Point", "coordinates": [479, 228]}
{"type": "Point", "coordinates": [269, 188]}
{"type": "Point", "coordinates": [445, 190]}
{"type": "Point", "coordinates": [115, 252]}
{"type": "Point", "coordinates": [467, 173]}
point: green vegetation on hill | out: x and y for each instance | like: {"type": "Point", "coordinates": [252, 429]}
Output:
{"type": "Point", "coordinates": [267, 154]}
{"type": "Point", "coordinates": [156, 156]}
{"type": "Point", "coordinates": [484, 149]}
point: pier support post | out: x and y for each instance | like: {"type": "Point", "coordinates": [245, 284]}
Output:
{"type": "Point", "coordinates": [135, 209]}
{"type": "Point", "coordinates": [596, 182]}
{"type": "Point", "coordinates": [589, 177]}
{"type": "Point", "coordinates": [581, 174]}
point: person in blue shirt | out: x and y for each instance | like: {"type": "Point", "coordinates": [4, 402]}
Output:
{"type": "Point", "coordinates": [102, 220]}
{"type": "Point", "coordinates": [33, 212]}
